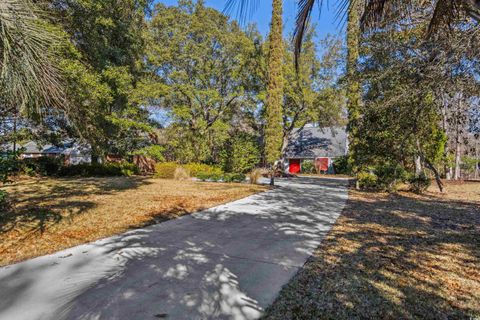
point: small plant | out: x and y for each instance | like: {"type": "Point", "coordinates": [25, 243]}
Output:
{"type": "Point", "coordinates": [196, 168]}
{"type": "Point", "coordinates": [308, 167]}
{"type": "Point", "coordinates": [255, 175]}
{"type": "Point", "coordinates": [389, 177]}
{"type": "Point", "coordinates": [233, 177]}
{"type": "Point", "coordinates": [165, 170]}
{"type": "Point", "coordinates": [419, 184]}
{"type": "Point", "coordinates": [99, 170]}
{"type": "Point", "coordinates": [367, 181]}
{"type": "Point", "coordinates": [181, 174]}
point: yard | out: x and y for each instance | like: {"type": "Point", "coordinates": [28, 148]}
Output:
{"type": "Point", "coordinates": [53, 214]}
{"type": "Point", "coordinates": [398, 256]}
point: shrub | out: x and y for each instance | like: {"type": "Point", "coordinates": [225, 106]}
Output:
{"type": "Point", "coordinates": [389, 176]}
{"type": "Point", "coordinates": [341, 166]}
{"type": "Point", "coordinates": [8, 165]}
{"type": "Point", "coordinates": [99, 170]}
{"type": "Point", "coordinates": [420, 183]}
{"type": "Point", "coordinates": [208, 176]}
{"type": "Point", "coordinates": [129, 169]}
{"type": "Point", "coordinates": [181, 174]}
{"type": "Point", "coordinates": [241, 153]}
{"type": "Point", "coordinates": [233, 177]}
{"type": "Point", "coordinates": [385, 177]}
{"type": "Point", "coordinates": [367, 181]}
{"type": "Point", "coordinates": [255, 175]}
{"type": "Point", "coordinates": [4, 201]}
{"type": "Point", "coordinates": [308, 166]}
{"type": "Point", "coordinates": [165, 170]}
{"type": "Point", "coordinates": [43, 166]}
{"type": "Point", "coordinates": [196, 168]}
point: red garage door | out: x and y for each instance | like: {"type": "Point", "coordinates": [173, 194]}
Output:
{"type": "Point", "coordinates": [294, 166]}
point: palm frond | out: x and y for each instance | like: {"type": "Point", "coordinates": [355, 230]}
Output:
{"type": "Point", "coordinates": [305, 9]}
{"type": "Point", "coordinates": [244, 8]}
{"type": "Point", "coordinates": [28, 75]}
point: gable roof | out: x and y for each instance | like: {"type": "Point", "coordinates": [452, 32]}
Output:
{"type": "Point", "coordinates": [314, 142]}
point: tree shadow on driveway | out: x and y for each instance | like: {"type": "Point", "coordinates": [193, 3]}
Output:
{"type": "Point", "coordinates": [226, 262]}
{"type": "Point", "coordinates": [391, 257]}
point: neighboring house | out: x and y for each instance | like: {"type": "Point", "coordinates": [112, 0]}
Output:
{"type": "Point", "coordinates": [74, 153]}
{"type": "Point", "coordinates": [321, 145]}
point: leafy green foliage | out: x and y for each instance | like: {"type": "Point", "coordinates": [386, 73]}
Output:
{"type": "Point", "coordinates": [240, 154]}
{"type": "Point", "coordinates": [8, 165]}
{"type": "Point", "coordinates": [273, 129]}
{"type": "Point", "coordinates": [419, 184]}
{"type": "Point", "coordinates": [308, 167]}
{"type": "Point", "coordinates": [224, 177]}
{"type": "Point", "coordinates": [43, 166]}
{"type": "Point", "coordinates": [367, 180]}
{"type": "Point", "coordinates": [197, 168]}
{"type": "Point", "coordinates": [165, 170]}
{"type": "Point", "coordinates": [384, 177]}
{"type": "Point", "coordinates": [154, 151]}
{"type": "Point", "coordinates": [99, 170]}
{"type": "Point", "coordinates": [202, 59]}
{"type": "Point", "coordinates": [341, 165]}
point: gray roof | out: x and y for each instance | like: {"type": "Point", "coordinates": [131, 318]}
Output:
{"type": "Point", "coordinates": [314, 142]}
{"type": "Point", "coordinates": [33, 147]}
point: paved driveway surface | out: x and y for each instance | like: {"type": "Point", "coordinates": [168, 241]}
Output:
{"type": "Point", "coordinates": [228, 262]}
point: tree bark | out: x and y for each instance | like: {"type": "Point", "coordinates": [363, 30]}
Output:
{"type": "Point", "coordinates": [435, 172]}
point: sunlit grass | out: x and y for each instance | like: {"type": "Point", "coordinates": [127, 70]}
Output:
{"type": "Point", "coordinates": [54, 214]}
{"type": "Point", "coordinates": [400, 256]}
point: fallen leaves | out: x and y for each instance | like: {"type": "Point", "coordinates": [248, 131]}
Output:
{"type": "Point", "coordinates": [53, 214]}
{"type": "Point", "coordinates": [400, 256]}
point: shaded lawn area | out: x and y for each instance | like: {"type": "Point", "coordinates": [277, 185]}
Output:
{"type": "Point", "coordinates": [399, 256]}
{"type": "Point", "coordinates": [53, 214]}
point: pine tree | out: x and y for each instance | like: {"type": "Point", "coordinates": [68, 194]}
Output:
{"type": "Point", "coordinates": [273, 130]}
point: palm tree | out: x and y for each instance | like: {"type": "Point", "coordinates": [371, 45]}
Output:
{"type": "Point", "coordinates": [378, 12]}
{"type": "Point", "coordinates": [28, 76]}
{"type": "Point", "coordinates": [375, 12]}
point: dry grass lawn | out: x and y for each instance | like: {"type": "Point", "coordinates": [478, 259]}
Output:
{"type": "Point", "coordinates": [398, 256]}
{"type": "Point", "coordinates": [49, 215]}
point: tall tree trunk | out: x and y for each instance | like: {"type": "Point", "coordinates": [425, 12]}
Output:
{"type": "Point", "coordinates": [435, 173]}
{"type": "Point", "coordinates": [15, 132]}
{"type": "Point", "coordinates": [477, 160]}
{"type": "Point", "coordinates": [353, 86]}
{"type": "Point", "coordinates": [457, 172]}
{"type": "Point", "coordinates": [418, 161]}
{"type": "Point", "coordinates": [273, 130]}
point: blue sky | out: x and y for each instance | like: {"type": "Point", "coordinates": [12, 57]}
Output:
{"type": "Point", "coordinates": [325, 23]}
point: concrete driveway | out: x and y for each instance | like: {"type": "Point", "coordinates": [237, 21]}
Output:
{"type": "Point", "coordinates": [228, 262]}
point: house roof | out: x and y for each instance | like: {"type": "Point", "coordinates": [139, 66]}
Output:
{"type": "Point", "coordinates": [314, 142]}
{"type": "Point", "coordinates": [33, 147]}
